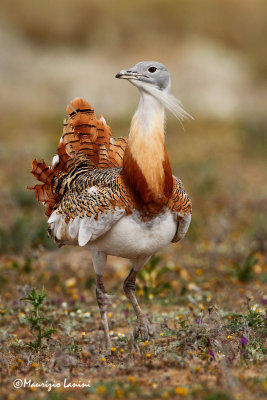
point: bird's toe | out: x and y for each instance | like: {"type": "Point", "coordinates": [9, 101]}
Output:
{"type": "Point", "coordinates": [144, 329]}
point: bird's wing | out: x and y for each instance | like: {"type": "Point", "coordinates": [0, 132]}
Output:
{"type": "Point", "coordinates": [181, 206]}
{"type": "Point", "coordinates": [86, 143]}
{"type": "Point", "coordinates": [85, 216]}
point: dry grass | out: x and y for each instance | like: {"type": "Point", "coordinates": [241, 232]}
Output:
{"type": "Point", "coordinates": [205, 295]}
{"type": "Point", "coordinates": [209, 320]}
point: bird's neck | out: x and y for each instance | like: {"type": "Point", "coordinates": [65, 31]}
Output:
{"type": "Point", "coordinates": [146, 165]}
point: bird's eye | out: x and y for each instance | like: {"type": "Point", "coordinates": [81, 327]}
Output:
{"type": "Point", "coordinates": [152, 69]}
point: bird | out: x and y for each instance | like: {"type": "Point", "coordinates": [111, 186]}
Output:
{"type": "Point", "coordinates": [117, 196]}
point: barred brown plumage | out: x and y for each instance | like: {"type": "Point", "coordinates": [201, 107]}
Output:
{"type": "Point", "coordinates": [82, 165]}
{"type": "Point", "coordinates": [115, 196]}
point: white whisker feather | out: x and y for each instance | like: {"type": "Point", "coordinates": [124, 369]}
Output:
{"type": "Point", "coordinates": [169, 101]}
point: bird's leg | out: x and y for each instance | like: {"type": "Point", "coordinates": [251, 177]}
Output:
{"type": "Point", "coordinates": [104, 301]}
{"type": "Point", "coordinates": [143, 326]}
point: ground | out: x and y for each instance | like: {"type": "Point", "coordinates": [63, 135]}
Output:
{"type": "Point", "coordinates": [206, 304]}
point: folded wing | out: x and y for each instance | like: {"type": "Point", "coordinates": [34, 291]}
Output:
{"type": "Point", "coordinates": [181, 206]}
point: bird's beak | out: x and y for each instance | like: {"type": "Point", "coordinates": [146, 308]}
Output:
{"type": "Point", "coordinates": [123, 74]}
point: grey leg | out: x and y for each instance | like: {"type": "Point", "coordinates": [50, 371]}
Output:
{"type": "Point", "coordinates": [143, 326]}
{"type": "Point", "coordinates": [104, 302]}
{"type": "Point", "coordinates": [103, 299]}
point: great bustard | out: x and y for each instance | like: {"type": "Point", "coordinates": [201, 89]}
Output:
{"type": "Point", "coordinates": [117, 196]}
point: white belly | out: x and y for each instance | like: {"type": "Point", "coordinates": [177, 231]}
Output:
{"type": "Point", "coordinates": [131, 238]}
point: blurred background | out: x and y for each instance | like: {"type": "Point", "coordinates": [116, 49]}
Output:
{"type": "Point", "coordinates": [216, 53]}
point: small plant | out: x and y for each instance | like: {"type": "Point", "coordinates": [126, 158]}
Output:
{"type": "Point", "coordinates": [253, 319]}
{"type": "Point", "coordinates": [217, 395]}
{"type": "Point", "coordinates": [73, 349]}
{"type": "Point", "coordinates": [244, 272]}
{"type": "Point", "coordinates": [152, 278]}
{"type": "Point", "coordinates": [36, 320]}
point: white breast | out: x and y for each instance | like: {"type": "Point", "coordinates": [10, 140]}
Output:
{"type": "Point", "coordinates": [130, 237]}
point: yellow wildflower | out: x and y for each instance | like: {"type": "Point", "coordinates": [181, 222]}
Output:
{"type": "Point", "coordinates": [181, 391]}
{"type": "Point", "coordinates": [71, 282]}
{"type": "Point", "coordinates": [199, 271]}
{"type": "Point", "coordinates": [264, 385]}
{"type": "Point", "coordinates": [118, 393]}
{"type": "Point", "coordinates": [101, 389]}
{"type": "Point", "coordinates": [12, 368]}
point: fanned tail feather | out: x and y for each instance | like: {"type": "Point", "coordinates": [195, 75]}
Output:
{"type": "Point", "coordinates": [41, 171]}
{"type": "Point", "coordinates": [85, 140]}
{"type": "Point", "coordinates": [84, 133]}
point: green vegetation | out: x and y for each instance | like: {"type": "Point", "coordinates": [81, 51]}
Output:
{"type": "Point", "coordinates": [205, 326]}
{"type": "Point", "coordinates": [244, 272]}
{"type": "Point", "coordinates": [36, 320]}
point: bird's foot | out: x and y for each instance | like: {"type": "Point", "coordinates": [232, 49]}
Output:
{"type": "Point", "coordinates": [106, 344]}
{"type": "Point", "coordinates": [107, 349]}
{"type": "Point", "coordinates": [144, 328]}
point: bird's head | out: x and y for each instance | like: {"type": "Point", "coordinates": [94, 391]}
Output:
{"type": "Point", "coordinates": [153, 78]}
{"type": "Point", "coordinates": [147, 74]}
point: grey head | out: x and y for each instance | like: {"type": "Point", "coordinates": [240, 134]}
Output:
{"type": "Point", "coordinates": [147, 73]}
{"type": "Point", "coordinates": [154, 79]}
